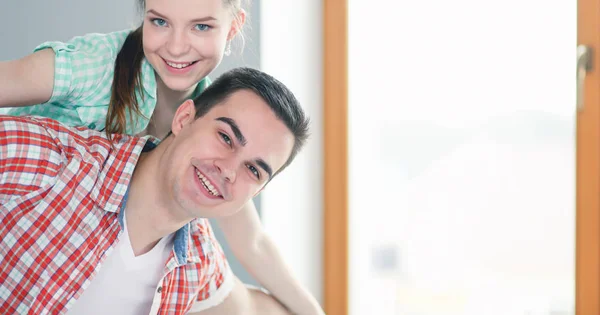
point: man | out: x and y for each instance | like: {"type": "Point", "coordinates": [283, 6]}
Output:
{"type": "Point", "coordinates": [71, 201]}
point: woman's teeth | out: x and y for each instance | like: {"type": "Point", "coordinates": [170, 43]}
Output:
{"type": "Point", "coordinates": [179, 65]}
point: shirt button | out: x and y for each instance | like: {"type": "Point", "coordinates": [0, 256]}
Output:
{"type": "Point", "coordinates": [92, 126]}
{"type": "Point", "coordinates": [159, 290]}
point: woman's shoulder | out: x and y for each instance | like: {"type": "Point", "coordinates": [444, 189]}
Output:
{"type": "Point", "coordinates": [91, 43]}
{"type": "Point", "coordinates": [113, 40]}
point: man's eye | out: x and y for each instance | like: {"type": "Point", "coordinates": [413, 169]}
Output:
{"type": "Point", "coordinates": [254, 170]}
{"type": "Point", "coordinates": [226, 139]}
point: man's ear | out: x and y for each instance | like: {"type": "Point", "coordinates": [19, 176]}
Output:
{"type": "Point", "coordinates": [185, 114]}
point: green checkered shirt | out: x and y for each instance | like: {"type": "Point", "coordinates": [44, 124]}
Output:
{"type": "Point", "coordinates": [83, 76]}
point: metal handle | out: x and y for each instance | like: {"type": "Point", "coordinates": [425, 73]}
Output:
{"type": "Point", "coordinates": [584, 65]}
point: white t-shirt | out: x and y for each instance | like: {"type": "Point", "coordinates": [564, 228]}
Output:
{"type": "Point", "coordinates": [125, 284]}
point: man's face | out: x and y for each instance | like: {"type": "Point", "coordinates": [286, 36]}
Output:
{"type": "Point", "coordinates": [218, 162]}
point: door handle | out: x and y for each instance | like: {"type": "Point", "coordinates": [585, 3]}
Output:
{"type": "Point", "coordinates": [584, 65]}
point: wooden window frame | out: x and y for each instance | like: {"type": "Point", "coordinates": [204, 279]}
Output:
{"type": "Point", "coordinates": [335, 75]}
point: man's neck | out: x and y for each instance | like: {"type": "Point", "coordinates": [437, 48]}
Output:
{"type": "Point", "coordinates": [147, 210]}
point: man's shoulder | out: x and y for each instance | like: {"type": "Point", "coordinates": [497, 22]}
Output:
{"type": "Point", "coordinates": [21, 123]}
{"type": "Point", "coordinates": [35, 148]}
{"type": "Point", "coordinates": [18, 133]}
{"type": "Point", "coordinates": [41, 133]}
{"type": "Point", "coordinates": [30, 157]}
{"type": "Point", "coordinates": [40, 136]}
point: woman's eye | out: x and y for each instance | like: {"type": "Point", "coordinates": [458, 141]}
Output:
{"type": "Point", "coordinates": [202, 27]}
{"type": "Point", "coordinates": [159, 22]}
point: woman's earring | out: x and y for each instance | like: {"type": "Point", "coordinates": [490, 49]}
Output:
{"type": "Point", "coordinates": [228, 49]}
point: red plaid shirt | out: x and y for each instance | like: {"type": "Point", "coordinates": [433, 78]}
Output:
{"type": "Point", "coordinates": [62, 191]}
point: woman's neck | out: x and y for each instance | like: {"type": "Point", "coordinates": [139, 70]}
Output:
{"type": "Point", "coordinates": [167, 102]}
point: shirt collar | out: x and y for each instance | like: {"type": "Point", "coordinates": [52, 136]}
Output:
{"type": "Point", "coordinates": [114, 175]}
{"type": "Point", "coordinates": [180, 243]}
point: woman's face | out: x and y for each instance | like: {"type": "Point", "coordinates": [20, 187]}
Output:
{"type": "Point", "coordinates": [184, 40]}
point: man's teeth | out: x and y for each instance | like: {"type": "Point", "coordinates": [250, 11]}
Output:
{"type": "Point", "coordinates": [207, 184]}
{"type": "Point", "coordinates": [179, 65]}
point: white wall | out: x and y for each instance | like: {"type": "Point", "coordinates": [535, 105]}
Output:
{"type": "Point", "coordinates": [291, 50]}
{"type": "Point", "coordinates": [28, 23]}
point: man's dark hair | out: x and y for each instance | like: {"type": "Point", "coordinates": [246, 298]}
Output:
{"type": "Point", "coordinates": [279, 98]}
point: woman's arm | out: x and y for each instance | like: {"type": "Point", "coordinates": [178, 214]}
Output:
{"type": "Point", "coordinates": [261, 258]}
{"type": "Point", "coordinates": [27, 81]}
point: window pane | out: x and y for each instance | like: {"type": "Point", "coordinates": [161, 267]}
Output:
{"type": "Point", "coordinates": [462, 157]}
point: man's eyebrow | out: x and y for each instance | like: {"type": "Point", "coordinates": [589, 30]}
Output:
{"type": "Point", "coordinates": [265, 167]}
{"type": "Point", "coordinates": [242, 140]}
{"type": "Point", "coordinates": [236, 130]}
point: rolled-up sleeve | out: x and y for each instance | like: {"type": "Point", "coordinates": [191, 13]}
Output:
{"type": "Point", "coordinates": [219, 283]}
{"type": "Point", "coordinates": [81, 67]}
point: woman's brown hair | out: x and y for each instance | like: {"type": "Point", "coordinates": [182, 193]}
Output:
{"type": "Point", "coordinates": [127, 82]}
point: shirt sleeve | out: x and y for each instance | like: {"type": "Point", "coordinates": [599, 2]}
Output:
{"type": "Point", "coordinates": [218, 285]}
{"type": "Point", "coordinates": [82, 66]}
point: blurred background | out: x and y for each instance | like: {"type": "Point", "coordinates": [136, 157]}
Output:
{"type": "Point", "coordinates": [461, 145]}
{"type": "Point", "coordinates": [462, 157]}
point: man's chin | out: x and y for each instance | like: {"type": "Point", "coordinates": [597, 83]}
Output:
{"type": "Point", "coordinates": [217, 212]}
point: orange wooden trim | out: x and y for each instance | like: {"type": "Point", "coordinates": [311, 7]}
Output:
{"type": "Point", "coordinates": [587, 272]}
{"type": "Point", "coordinates": [335, 120]}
